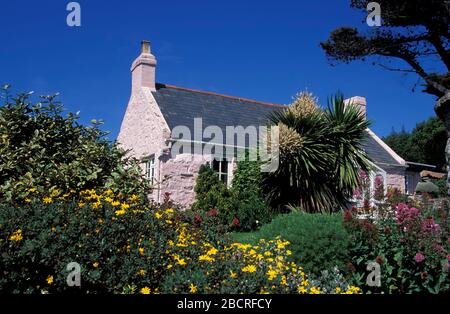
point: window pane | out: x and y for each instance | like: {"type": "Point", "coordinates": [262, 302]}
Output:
{"type": "Point", "coordinates": [223, 177]}
{"type": "Point", "coordinates": [216, 165]}
{"type": "Point", "coordinates": [224, 166]}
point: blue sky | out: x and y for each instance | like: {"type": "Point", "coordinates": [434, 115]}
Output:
{"type": "Point", "coordinates": [263, 50]}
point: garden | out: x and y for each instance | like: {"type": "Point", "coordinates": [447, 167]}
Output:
{"type": "Point", "coordinates": [67, 195]}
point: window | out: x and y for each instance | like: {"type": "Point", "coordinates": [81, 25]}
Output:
{"type": "Point", "coordinates": [221, 167]}
{"type": "Point", "coordinates": [150, 169]}
{"type": "Point", "coordinates": [410, 186]}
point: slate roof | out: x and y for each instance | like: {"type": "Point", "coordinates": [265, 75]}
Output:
{"type": "Point", "coordinates": [180, 106]}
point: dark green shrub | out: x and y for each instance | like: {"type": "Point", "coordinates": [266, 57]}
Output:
{"type": "Point", "coordinates": [318, 241]}
{"type": "Point", "coordinates": [241, 207]}
{"type": "Point", "coordinates": [428, 188]}
{"type": "Point", "coordinates": [442, 185]}
{"type": "Point", "coordinates": [42, 148]}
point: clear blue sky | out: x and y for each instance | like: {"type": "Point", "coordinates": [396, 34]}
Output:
{"type": "Point", "coordinates": [264, 50]}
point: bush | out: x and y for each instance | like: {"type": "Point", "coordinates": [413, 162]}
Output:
{"type": "Point", "coordinates": [241, 207]}
{"type": "Point", "coordinates": [442, 185]}
{"type": "Point", "coordinates": [40, 148]}
{"type": "Point", "coordinates": [319, 242]}
{"type": "Point", "coordinates": [130, 247]}
{"type": "Point", "coordinates": [428, 188]}
{"type": "Point", "coordinates": [410, 244]}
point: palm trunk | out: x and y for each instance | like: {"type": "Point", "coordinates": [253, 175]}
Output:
{"type": "Point", "coordinates": [442, 109]}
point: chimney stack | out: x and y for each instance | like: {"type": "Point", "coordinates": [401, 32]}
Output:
{"type": "Point", "coordinates": [359, 102]}
{"type": "Point", "coordinates": [143, 69]}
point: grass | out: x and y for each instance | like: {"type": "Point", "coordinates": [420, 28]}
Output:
{"type": "Point", "coordinates": [318, 241]}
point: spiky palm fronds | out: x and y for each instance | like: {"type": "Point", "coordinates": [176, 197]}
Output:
{"type": "Point", "coordinates": [320, 154]}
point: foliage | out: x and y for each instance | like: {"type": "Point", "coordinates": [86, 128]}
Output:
{"type": "Point", "coordinates": [320, 155]}
{"type": "Point", "coordinates": [414, 31]}
{"type": "Point", "coordinates": [242, 207]}
{"type": "Point", "coordinates": [442, 185]}
{"type": "Point", "coordinates": [410, 244]}
{"type": "Point", "coordinates": [42, 149]}
{"type": "Point", "coordinates": [425, 144]}
{"type": "Point", "coordinates": [428, 188]}
{"type": "Point", "coordinates": [126, 246]}
{"type": "Point", "coordinates": [318, 241]}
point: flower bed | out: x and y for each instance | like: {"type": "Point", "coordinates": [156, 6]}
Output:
{"type": "Point", "coordinates": [125, 245]}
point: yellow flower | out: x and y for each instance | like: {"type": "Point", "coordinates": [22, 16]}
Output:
{"type": "Point", "coordinates": [206, 258]}
{"type": "Point", "coordinates": [134, 197]}
{"type": "Point", "coordinates": [301, 289]}
{"type": "Point", "coordinates": [49, 280]}
{"type": "Point", "coordinates": [120, 212]}
{"type": "Point", "coordinates": [32, 190]}
{"type": "Point", "coordinates": [315, 290]}
{"type": "Point", "coordinates": [249, 269]}
{"type": "Point", "coordinates": [212, 251]}
{"type": "Point", "coordinates": [95, 264]}
{"type": "Point", "coordinates": [158, 216]}
{"type": "Point", "coordinates": [283, 281]}
{"type": "Point", "coordinates": [168, 221]}
{"type": "Point", "coordinates": [141, 250]}
{"type": "Point", "coordinates": [272, 274]}
{"type": "Point", "coordinates": [27, 200]}
{"type": "Point", "coordinates": [141, 272]}
{"type": "Point", "coordinates": [169, 211]}
{"type": "Point", "coordinates": [146, 290]}
{"type": "Point", "coordinates": [17, 235]}
{"type": "Point", "coordinates": [192, 288]}
{"type": "Point", "coordinates": [47, 200]}
{"type": "Point", "coordinates": [53, 229]}
{"type": "Point", "coordinates": [115, 203]}
{"type": "Point", "coordinates": [338, 290]}
{"type": "Point", "coordinates": [124, 206]}
{"type": "Point", "coordinates": [233, 275]}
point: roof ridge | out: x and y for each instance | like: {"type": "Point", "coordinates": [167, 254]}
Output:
{"type": "Point", "coordinates": [221, 95]}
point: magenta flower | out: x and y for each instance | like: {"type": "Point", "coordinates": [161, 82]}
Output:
{"type": "Point", "coordinates": [419, 258]}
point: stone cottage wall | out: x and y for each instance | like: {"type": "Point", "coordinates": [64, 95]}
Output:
{"type": "Point", "coordinates": [395, 177]}
{"type": "Point", "coordinates": [179, 176]}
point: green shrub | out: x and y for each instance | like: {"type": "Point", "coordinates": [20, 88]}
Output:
{"type": "Point", "coordinates": [318, 241]}
{"type": "Point", "coordinates": [442, 185]}
{"type": "Point", "coordinates": [428, 188]}
{"type": "Point", "coordinates": [241, 207]}
{"type": "Point", "coordinates": [42, 148]}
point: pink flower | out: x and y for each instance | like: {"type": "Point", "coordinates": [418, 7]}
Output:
{"type": "Point", "coordinates": [448, 257]}
{"type": "Point", "coordinates": [378, 180]}
{"type": "Point", "coordinates": [357, 193]}
{"type": "Point", "coordinates": [428, 225]}
{"type": "Point", "coordinates": [235, 221]}
{"type": "Point", "coordinates": [419, 258]}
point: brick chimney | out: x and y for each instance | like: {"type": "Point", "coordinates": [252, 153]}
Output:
{"type": "Point", "coordinates": [359, 102]}
{"type": "Point", "coordinates": [143, 69]}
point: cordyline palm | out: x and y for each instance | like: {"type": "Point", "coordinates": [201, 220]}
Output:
{"type": "Point", "coordinates": [320, 155]}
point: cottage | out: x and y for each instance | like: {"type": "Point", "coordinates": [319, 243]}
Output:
{"type": "Point", "coordinates": [157, 114]}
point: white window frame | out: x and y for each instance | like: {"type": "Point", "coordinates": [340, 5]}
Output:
{"type": "Point", "coordinates": [150, 169]}
{"type": "Point", "coordinates": [228, 171]}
